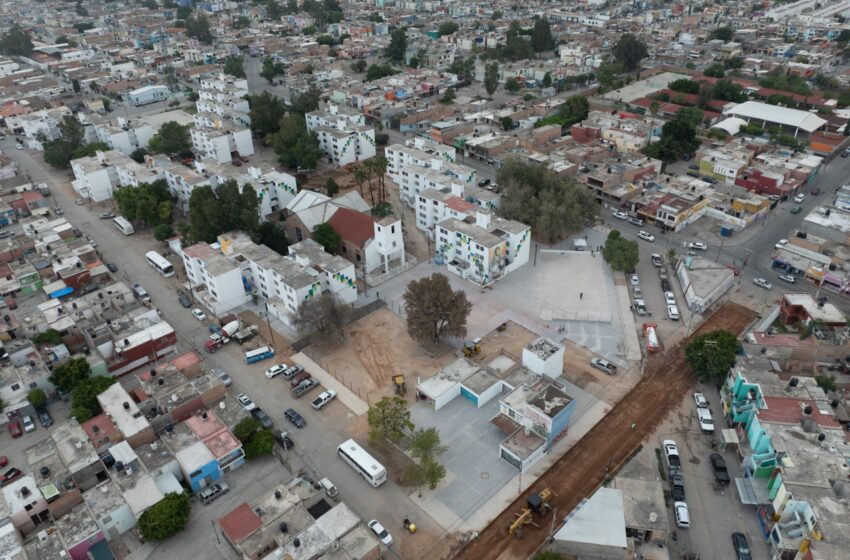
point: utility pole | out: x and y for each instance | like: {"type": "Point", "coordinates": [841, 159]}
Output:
{"type": "Point", "coordinates": [269, 324]}
{"type": "Point", "coordinates": [719, 249]}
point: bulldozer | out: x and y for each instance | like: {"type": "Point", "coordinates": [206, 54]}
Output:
{"type": "Point", "coordinates": [472, 348]}
{"type": "Point", "coordinates": [398, 382]}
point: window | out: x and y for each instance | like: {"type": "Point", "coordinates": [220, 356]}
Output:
{"type": "Point", "coordinates": [392, 229]}
{"type": "Point", "coordinates": [298, 235]}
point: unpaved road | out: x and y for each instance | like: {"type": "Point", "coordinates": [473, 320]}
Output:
{"type": "Point", "coordinates": [583, 468]}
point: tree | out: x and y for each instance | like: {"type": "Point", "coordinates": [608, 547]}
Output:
{"type": "Point", "coordinates": [825, 382]}
{"type": "Point", "coordinates": [150, 203]}
{"type": "Point", "coordinates": [397, 48]}
{"type": "Point", "coordinates": [678, 136]}
{"type": "Point", "coordinates": [425, 447]}
{"type": "Point", "coordinates": [138, 155]}
{"type": "Point", "coordinates": [172, 138]}
{"type": "Point", "coordinates": [163, 232]}
{"type": "Point", "coordinates": [716, 70]}
{"type": "Point", "coordinates": [513, 85]}
{"type": "Point", "coordinates": [541, 36]}
{"type": "Point", "coordinates": [261, 444]}
{"type": "Point", "coordinates": [271, 68]}
{"type": "Point", "coordinates": [551, 205]}
{"type": "Point", "coordinates": [547, 80]}
{"type": "Point", "coordinates": [37, 398]}
{"type": "Point", "coordinates": [321, 315]}
{"type": "Point", "coordinates": [629, 51]}
{"type": "Point", "coordinates": [507, 123]}
{"type": "Point", "coordinates": [378, 71]}
{"type": "Point", "coordinates": [183, 12]}
{"type": "Point", "coordinates": [84, 403]}
{"type": "Point", "coordinates": [712, 354]}
{"type": "Point", "coordinates": [448, 96]}
{"type": "Point", "coordinates": [324, 235]}
{"type": "Point", "coordinates": [198, 28]}
{"type": "Point", "coordinates": [620, 253]}
{"type": "Point", "coordinates": [16, 42]}
{"type": "Point", "coordinates": [50, 336]}
{"type": "Point", "coordinates": [242, 22]}
{"type": "Point", "coordinates": [233, 66]}
{"type": "Point", "coordinates": [89, 150]}
{"type": "Point", "coordinates": [229, 207]}
{"type": "Point", "coordinates": [653, 108]}
{"type": "Point", "coordinates": [273, 237]}
{"type": "Point", "coordinates": [491, 78]}
{"type": "Point", "coordinates": [548, 555]}
{"type": "Point", "coordinates": [388, 419]}
{"type": "Point", "coordinates": [724, 34]}
{"type": "Point", "coordinates": [149, 4]}
{"type": "Point", "coordinates": [165, 518]}
{"type": "Point", "coordinates": [359, 66]}
{"type": "Point", "coordinates": [684, 85]}
{"type": "Point", "coordinates": [447, 28]}
{"type": "Point", "coordinates": [58, 153]}
{"type": "Point", "coordinates": [294, 145]}
{"type": "Point", "coordinates": [425, 444]}
{"type": "Point", "coordinates": [266, 112]}
{"type": "Point", "coordinates": [68, 375]}
{"type": "Point", "coordinates": [306, 102]}
{"type": "Point", "coordinates": [331, 187]}
{"type": "Point", "coordinates": [434, 310]}
{"type": "Point", "coordinates": [573, 110]}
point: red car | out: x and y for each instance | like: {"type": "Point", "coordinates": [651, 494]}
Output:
{"type": "Point", "coordinates": [4, 461]}
{"type": "Point", "coordinates": [15, 429]}
{"type": "Point", "coordinates": [9, 476]}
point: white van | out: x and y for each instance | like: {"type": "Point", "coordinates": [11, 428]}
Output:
{"type": "Point", "coordinates": [683, 520]}
{"type": "Point", "coordinates": [329, 487]}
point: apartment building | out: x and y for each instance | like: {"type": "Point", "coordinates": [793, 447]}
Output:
{"type": "Point", "coordinates": [343, 134]}
{"type": "Point", "coordinates": [96, 177]}
{"type": "Point", "coordinates": [219, 140]}
{"type": "Point", "coordinates": [125, 136]}
{"type": "Point", "coordinates": [421, 164]}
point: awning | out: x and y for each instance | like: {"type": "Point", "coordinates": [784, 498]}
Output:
{"type": "Point", "coordinates": [67, 290]}
{"type": "Point", "coordinates": [752, 491]}
{"type": "Point", "coordinates": [729, 436]}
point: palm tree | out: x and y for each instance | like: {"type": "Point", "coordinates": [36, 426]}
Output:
{"type": "Point", "coordinates": [653, 108]}
{"type": "Point", "coordinates": [379, 164]}
{"type": "Point", "coordinates": [359, 178]}
{"type": "Point", "coordinates": [369, 173]}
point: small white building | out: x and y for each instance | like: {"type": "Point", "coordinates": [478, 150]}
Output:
{"type": "Point", "coordinates": [342, 134]}
{"type": "Point", "coordinates": [703, 282]}
{"type": "Point", "coordinates": [95, 177]}
{"type": "Point", "coordinates": [147, 95]}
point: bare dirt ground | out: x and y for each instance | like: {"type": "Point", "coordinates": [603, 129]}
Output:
{"type": "Point", "coordinates": [607, 446]}
{"type": "Point", "coordinates": [376, 348]}
{"type": "Point", "coordinates": [608, 388]}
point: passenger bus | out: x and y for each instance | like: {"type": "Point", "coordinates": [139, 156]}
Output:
{"type": "Point", "coordinates": [123, 225]}
{"type": "Point", "coordinates": [366, 465]}
{"type": "Point", "coordinates": [159, 263]}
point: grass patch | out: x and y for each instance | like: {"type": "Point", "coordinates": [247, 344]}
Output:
{"type": "Point", "coordinates": [660, 464]}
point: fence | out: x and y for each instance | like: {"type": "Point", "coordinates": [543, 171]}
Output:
{"type": "Point", "coordinates": [353, 316]}
{"type": "Point", "coordinates": [373, 279]}
{"type": "Point", "coordinates": [314, 355]}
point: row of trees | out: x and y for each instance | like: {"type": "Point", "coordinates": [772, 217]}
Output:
{"type": "Point", "coordinates": [225, 208]}
{"type": "Point", "coordinates": [152, 204]}
{"type": "Point", "coordinates": [75, 377]}
{"type": "Point", "coordinates": [572, 111]}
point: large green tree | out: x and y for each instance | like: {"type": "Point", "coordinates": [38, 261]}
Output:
{"type": "Point", "coordinates": [723, 33]}
{"type": "Point", "coordinates": [678, 136]}
{"type": "Point", "coordinates": [323, 316]}
{"type": "Point", "coordinates": [36, 397]}
{"type": "Point", "coordinates": [389, 418]}
{"type": "Point", "coordinates": [165, 518]}
{"type": "Point", "coordinates": [84, 403]}
{"type": "Point", "coordinates": [620, 253]}
{"type": "Point", "coordinates": [295, 146]}
{"type": "Point", "coordinates": [59, 152]}
{"type": "Point", "coordinates": [198, 27]}
{"type": "Point", "coordinates": [324, 235]}
{"type": "Point", "coordinates": [434, 310]}
{"type": "Point", "coordinates": [553, 206]}
{"type": "Point", "coordinates": [267, 110]}
{"type": "Point", "coordinates": [227, 208]}
{"type": "Point", "coordinates": [16, 42]}
{"type": "Point", "coordinates": [397, 47]}
{"type": "Point", "coordinates": [68, 375]}
{"type": "Point", "coordinates": [272, 68]}
{"type": "Point", "coordinates": [491, 78]}
{"type": "Point", "coordinates": [711, 355]}
{"type": "Point", "coordinates": [541, 35]}
{"type": "Point", "coordinates": [149, 203]}
{"type": "Point", "coordinates": [274, 237]}
{"type": "Point", "coordinates": [234, 66]}
{"type": "Point", "coordinates": [447, 28]}
{"type": "Point", "coordinates": [425, 447]}
{"type": "Point", "coordinates": [629, 51]}
{"type": "Point", "coordinates": [172, 138]}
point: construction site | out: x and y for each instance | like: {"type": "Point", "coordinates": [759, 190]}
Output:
{"type": "Point", "coordinates": [526, 524]}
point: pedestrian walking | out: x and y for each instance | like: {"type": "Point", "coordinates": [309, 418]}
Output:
{"type": "Point", "coordinates": [581, 295]}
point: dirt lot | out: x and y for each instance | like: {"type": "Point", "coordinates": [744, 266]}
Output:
{"type": "Point", "coordinates": [583, 469]}
{"type": "Point", "coordinates": [376, 348]}
{"type": "Point", "coordinates": [608, 388]}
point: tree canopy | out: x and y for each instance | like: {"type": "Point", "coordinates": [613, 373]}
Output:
{"type": "Point", "coordinates": [397, 47]}
{"type": "Point", "coordinates": [620, 253]}
{"type": "Point", "coordinates": [272, 68]}
{"type": "Point", "coordinates": [234, 66]}
{"type": "Point", "coordinates": [447, 28]}
{"type": "Point", "coordinates": [378, 71]}
{"type": "Point", "coordinates": [165, 518]}
{"type": "Point", "coordinates": [256, 441]}
{"type": "Point", "coordinates": [712, 354]}
{"type": "Point", "coordinates": [60, 152]}
{"type": "Point", "coordinates": [321, 315]}
{"type": "Point", "coordinates": [172, 138]}
{"type": "Point", "coordinates": [267, 110]}
{"type": "Point", "coordinates": [425, 447]}
{"type": "Point", "coordinates": [295, 146]}
{"type": "Point", "coordinates": [198, 27]}
{"type": "Point", "coordinates": [274, 237]}
{"type": "Point", "coordinates": [515, 48]}
{"type": "Point", "coordinates": [434, 310]}
{"type": "Point", "coordinates": [723, 33]}
{"type": "Point", "coordinates": [68, 375]}
{"type": "Point", "coordinates": [389, 418]}
{"type": "Point", "coordinates": [16, 42]}
{"type": "Point", "coordinates": [84, 403]}
{"type": "Point", "coordinates": [572, 111]}
{"type": "Point", "coordinates": [150, 203]}
{"type": "Point", "coordinates": [541, 35]}
{"type": "Point", "coordinates": [629, 51]}
{"type": "Point", "coordinates": [551, 205]}
{"type": "Point", "coordinates": [324, 235]}
{"type": "Point", "coordinates": [491, 78]}
{"type": "Point", "coordinates": [36, 397]}
{"type": "Point", "coordinates": [226, 208]}
{"type": "Point", "coordinates": [678, 136]}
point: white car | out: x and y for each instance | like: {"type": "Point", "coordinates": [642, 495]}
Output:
{"type": "Point", "coordinates": [246, 402]}
{"type": "Point", "coordinates": [199, 315]}
{"type": "Point", "coordinates": [646, 236]}
{"type": "Point", "coordinates": [683, 520]}
{"type": "Point", "coordinates": [621, 215]}
{"type": "Point", "coordinates": [762, 283]}
{"type": "Point", "coordinates": [673, 312]}
{"type": "Point", "coordinates": [781, 243]}
{"type": "Point", "coordinates": [701, 401]}
{"type": "Point", "coordinates": [657, 261]}
{"type": "Point", "coordinates": [383, 535]}
{"type": "Point", "coordinates": [698, 246]}
{"type": "Point", "coordinates": [799, 198]}
{"type": "Point", "coordinates": [634, 280]}
{"type": "Point", "coordinates": [706, 422]}
{"type": "Point", "coordinates": [19, 146]}
{"type": "Point", "coordinates": [275, 370]}
{"type": "Point", "coordinates": [670, 298]}
{"type": "Point", "coordinates": [324, 398]}
{"type": "Point", "coordinates": [29, 425]}
{"type": "Point", "coordinates": [788, 278]}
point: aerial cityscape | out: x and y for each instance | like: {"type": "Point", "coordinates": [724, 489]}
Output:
{"type": "Point", "coordinates": [425, 280]}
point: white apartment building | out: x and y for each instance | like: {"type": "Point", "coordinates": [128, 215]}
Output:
{"type": "Point", "coordinates": [96, 177]}
{"type": "Point", "coordinates": [218, 140]}
{"type": "Point", "coordinates": [220, 277]}
{"type": "Point", "coordinates": [225, 99]}
{"type": "Point", "coordinates": [275, 189]}
{"type": "Point", "coordinates": [125, 136]}
{"type": "Point", "coordinates": [40, 126]}
{"type": "Point", "coordinates": [420, 165]}
{"type": "Point", "coordinates": [342, 134]}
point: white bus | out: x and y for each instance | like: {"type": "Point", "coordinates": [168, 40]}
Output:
{"type": "Point", "coordinates": [159, 263]}
{"type": "Point", "coordinates": [123, 225]}
{"type": "Point", "coordinates": [370, 469]}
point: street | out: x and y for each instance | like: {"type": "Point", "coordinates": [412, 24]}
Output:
{"type": "Point", "coordinates": [316, 443]}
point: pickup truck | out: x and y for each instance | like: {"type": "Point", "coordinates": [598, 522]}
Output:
{"type": "Point", "coordinates": [718, 467]}
{"type": "Point", "coordinates": [323, 399]}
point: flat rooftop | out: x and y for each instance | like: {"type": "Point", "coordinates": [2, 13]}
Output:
{"type": "Point", "coordinates": [550, 400]}
{"type": "Point", "coordinates": [705, 276]}
{"type": "Point", "coordinates": [641, 498]}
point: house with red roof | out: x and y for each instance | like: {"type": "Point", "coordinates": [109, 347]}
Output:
{"type": "Point", "coordinates": [368, 243]}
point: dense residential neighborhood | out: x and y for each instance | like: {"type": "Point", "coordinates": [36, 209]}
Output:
{"type": "Point", "coordinates": [425, 280]}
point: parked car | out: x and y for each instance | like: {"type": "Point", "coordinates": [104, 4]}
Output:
{"type": "Point", "coordinates": [275, 370]}
{"type": "Point", "coordinates": [673, 312]}
{"type": "Point", "coordinates": [781, 243]}
{"type": "Point", "coordinates": [604, 365]}
{"type": "Point", "coordinates": [107, 216]}
{"type": "Point", "coordinates": [718, 467]}
{"type": "Point", "coordinates": [382, 534]}
{"type": "Point", "coordinates": [788, 278]}
{"type": "Point", "coordinates": [621, 215]}
{"type": "Point", "coordinates": [4, 461]}
{"type": "Point", "coordinates": [739, 540]}
{"type": "Point", "coordinates": [304, 387]}
{"type": "Point", "coordinates": [29, 425]}
{"type": "Point", "coordinates": [634, 280]}
{"type": "Point", "coordinates": [640, 307]}
{"type": "Point", "coordinates": [58, 210]}
{"type": "Point", "coordinates": [799, 198]}
{"type": "Point", "coordinates": [246, 402]}
{"type": "Point", "coordinates": [19, 146]}
{"type": "Point", "coordinates": [184, 300]}
{"type": "Point", "coordinates": [298, 378]}
{"type": "Point", "coordinates": [44, 417]}
{"type": "Point", "coordinates": [112, 267]}
{"type": "Point", "coordinates": [284, 440]}
{"type": "Point", "coordinates": [671, 454]}
{"type": "Point", "coordinates": [796, 210]}
{"type": "Point", "coordinates": [698, 246]}
{"type": "Point", "coordinates": [762, 283]}
{"type": "Point", "coordinates": [700, 400]}
{"type": "Point", "coordinates": [845, 153]}
{"type": "Point", "coordinates": [199, 315]}
{"type": "Point", "coordinates": [263, 418]}
{"type": "Point", "coordinates": [324, 398]}
{"type": "Point", "coordinates": [212, 492]}
{"type": "Point", "coordinates": [815, 191]}
{"type": "Point", "coordinates": [706, 422]}
{"type": "Point", "coordinates": [292, 371]}
{"type": "Point", "coordinates": [670, 298]}
{"type": "Point", "coordinates": [636, 222]}
{"type": "Point", "coordinates": [225, 378]}
{"type": "Point", "coordinates": [79, 201]}
{"type": "Point", "coordinates": [677, 487]}
{"type": "Point", "coordinates": [9, 476]}
{"type": "Point", "coordinates": [483, 182]}
{"type": "Point", "coordinates": [683, 520]}
{"type": "Point", "coordinates": [294, 417]}
{"type": "Point", "coordinates": [646, 236]}
{"type": "Point", "coordinates": [657, 262]}
{"type": "Point", "coordinates": [636, 292]}
{"type": "Point", "coordinates": [15, 429]}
